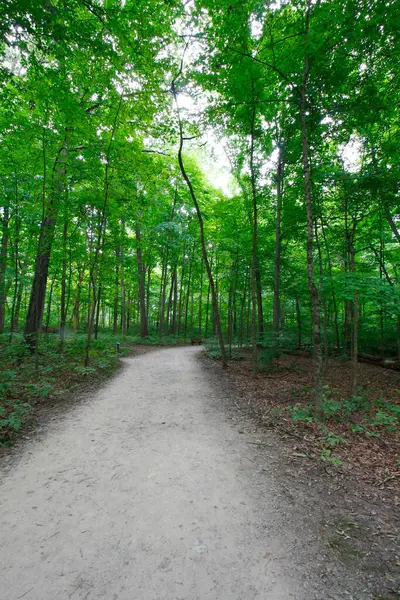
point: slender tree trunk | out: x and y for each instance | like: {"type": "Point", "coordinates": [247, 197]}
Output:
{"type": "Point", "coordinates": [49, 302]}
{"type": "Point", "coordinates": [278, 244]}
{"type": "Point", "coordinates": [128, 313]}
{"type": "Point", "coordinates": [321, 279]}
{"type": "Point", "coordinates": [316, 333]}
{"type": "Point", "coordinates": [298, 318]}
{"type": "Point", "coordinates": [334, 303]}
{"type": "Point", "coordinates": [260, 311]}
{"type": "Point", "coordinates": [180, 305]}
{"type": "Point", "coordinates": [231, 302]}
{"type": "Point", "coordinates": [97, 318]}
{"type": "Point", "coordinates": [18, 302]}
{"type": "Point", "coordinates": [254, 262]}
{"type": "Point", "coordinates": [170, 297]}
{"type": "Point", "coordinates": [17, 276]}
{"type": "Point", "coordinates": [174, 290]}
{"type": "Point", "coordinates": [201, 300]}
{"type": "Point", "coordinates": [77, 301]}
{"type": "Point", "coordinates": [144, 331]}
{"type": "Point", "coordinates": [64, 283]}
{"type": "Point", "coordinates": [207, 309]}
{"type": "Point", "coordinates": [116, 291]}
{"type": "Point", "coordinates": [163, 294]}
{"type": "Point", "coordinates": [3, 263]}
{"type": "Point", "coordinates": [202, 233]}
{"type": "Point", "coordinates": [96, 265]}
{"type": "Point", "coordinates": [123, 291]}
{"type": "Point", "coordinates": [188, 296]}
{"type": "Point", "coordinates": [148, 294]}
{"type": "Point", "coordinates": [381, 312]}
{"type": "Point", "coordinates": [354, 317]}
{"type": "Point", "coordinates": [242, 309]}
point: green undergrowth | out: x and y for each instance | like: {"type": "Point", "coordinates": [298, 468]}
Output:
{"type": "Point", "coordinates": [376, 415]}
{"type": "Point", "coordinates": [27, 380]}
{"type": "Point", "coordinates": [357, 415]}
{"type": "Point", "coordinates": [343, 419]}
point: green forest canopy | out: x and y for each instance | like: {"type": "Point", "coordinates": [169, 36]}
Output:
{"type": "Point", "coordinates": [109, 218]}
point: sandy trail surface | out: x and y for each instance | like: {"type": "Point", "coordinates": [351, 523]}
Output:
{"type": "Point", "coordinates": [147, 491]}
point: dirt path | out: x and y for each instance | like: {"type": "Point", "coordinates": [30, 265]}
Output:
{"type": "Point", "coordinates": [148, 492]}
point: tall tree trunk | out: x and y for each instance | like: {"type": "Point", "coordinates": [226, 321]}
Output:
{"type": "Point", "coordinates": [354, 320]}
{"type": "Point", "coordinates": [334, 303]}
{"type": "Point", "coordinates": [321, 279]}
{"type": "Point", "coordinates": [242, 309]}
{"type": "Point", "coordinates": [123, 291]}
{"type": "Point", "coordinates": [163, 294]}
{"type": "Point", "coordinates": [231, 302]}
{"type": "Point", "coordinates": [278, 244]}
{"type": "Point", "coordinates": [77, 301]}
{"type": "Point", "coordinates": [98, 256]}
{"type": "Point", "coordinates": [116, 291]}
{"type": "Point", "coordinates": [254, 257]}
{"type": "Point", "coordinates": [180, 304]}
{"type": "Point", "coordinates": [97, 319]}
{"type": "Point", "coordinates": [298, 319]}
{"type": "Point", "coordinates": [170, 296]}
{"type": "Point", "coordinates": [3, 263]}
{"type": "Point", "coordinates": [316, 333]}
{"type": "Point", "coordinates": [207, 309]}
{"type": "Point", "coordinates": [148, 290]}
{"type": "Point", "coordinates": [201, 300]}
{"type": "Point", "coordinates": [144, 331]}
{"type": "Point", "coordinates": [49, 302]}
{"type": "Point", "coordinates": [188, 296]}
{"type": "Point", "coordinates": [174, 291]}
{"type": "Point", "coordinates": [64, 283]}
{"type": "Point", "coordinates": [260, 311]}
{"type": "Point", "coordinates": [202, 233]}
{"type": "Point", "coordinates": [45, 242]}
{"type": "Point", "coordinates": [18, 276]}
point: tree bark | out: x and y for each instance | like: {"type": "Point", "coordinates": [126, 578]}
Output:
{"type": "Point", "coordinates": [63, 317]}
{"type": "Point", "coordinates": [202, 233]}
{"type": "Point", "coordinates": [49, 302]}
{"type": "Point", "coordinates": [278, 244]}
{"type": "Point", "coordinates": [254, 258]}
{"type": "Point", "coordinates": [45, 242]}
{"type": "Point", "coordinates": [76, 308]}
{"type": "Point", "coordinates": [123, 291]}
{"type": "Point", "coordinates": [3, 263]}
{"type": "Point", "coordinates": [316, 332]}
{"type": "Point", "coordinates": [144, 331]}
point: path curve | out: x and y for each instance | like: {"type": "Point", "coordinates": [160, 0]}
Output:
{"type": "Point", "coordinates": [146, 491]}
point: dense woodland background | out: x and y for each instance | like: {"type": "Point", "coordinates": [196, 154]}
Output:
{"type": "Point", "coordinates": [110, 222]}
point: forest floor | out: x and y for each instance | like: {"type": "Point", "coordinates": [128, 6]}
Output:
{"type": "Point", "coordinates": [359, 437]}
{"type": "Point", "coordinates": [164, 485]}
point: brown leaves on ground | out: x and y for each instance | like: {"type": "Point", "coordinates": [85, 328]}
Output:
{"type": "Point", "coordinates": [349, 443]}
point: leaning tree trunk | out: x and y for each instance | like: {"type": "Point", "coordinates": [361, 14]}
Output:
{"type": "Point", "coordinates": [316, 331]}
{"type": "Point", "coordinates": [188, 182]}
{"type": "Point", "coordinates": [46, 236]}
